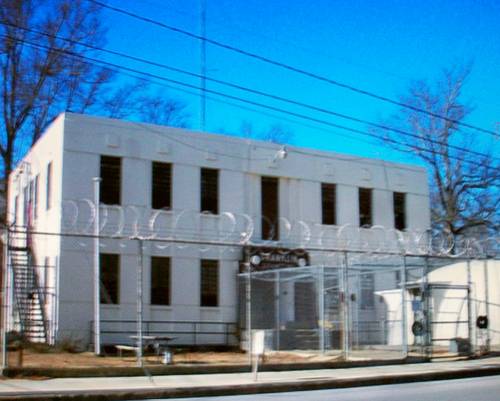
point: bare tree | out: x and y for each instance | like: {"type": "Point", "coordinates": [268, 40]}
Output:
{"type": "Point", "coordinates": [38, 79]}
{"type": "Point", "coordinates": [276, 133]}
{"type": "Point", "coordinates": [464, 186]}
{"type": "Point", "coordinates": [44, 72]}
{"type": "Point", "coordinates": [136, 100]}
{"type": "Point", "coordinates": [157, 109]}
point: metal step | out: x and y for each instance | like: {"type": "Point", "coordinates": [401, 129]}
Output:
{"type": "Point", "coordinates": [28, 297]}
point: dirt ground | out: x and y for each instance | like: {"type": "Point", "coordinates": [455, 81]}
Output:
{"type": "Point", "coordinates": [61, 359]}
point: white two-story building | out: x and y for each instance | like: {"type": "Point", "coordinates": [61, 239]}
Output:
{"type": "Point", "coordinates": [180, 191]}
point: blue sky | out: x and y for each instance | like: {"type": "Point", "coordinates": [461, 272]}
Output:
{"type": "Point", "coordinates": [379, 46]}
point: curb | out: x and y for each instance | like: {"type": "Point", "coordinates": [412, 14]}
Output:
{"type": "Point", "coordinates": [193, 369]}
{"type": "Point", "coordinates": [253, 388]}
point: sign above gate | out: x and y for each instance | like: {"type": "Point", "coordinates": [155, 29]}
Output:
{"type": "Point", "coordinates": [267, 258]}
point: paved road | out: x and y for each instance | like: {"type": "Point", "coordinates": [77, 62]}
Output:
{"type": "Point", "coordinates": [476, 389]}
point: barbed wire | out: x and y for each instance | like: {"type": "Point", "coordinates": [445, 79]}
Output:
{"type": "Point", "coordinates": [186, 228]}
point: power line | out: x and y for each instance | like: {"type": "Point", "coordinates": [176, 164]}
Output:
{"type": "Point", "coordinates": [119, 68]}
{"type": "Point", "coordinates": [214, 99]}
{"type": "Point", "coordinates": [292, 68]}
{"type": "Point", "coordinates": [359, 159]}
{"type": "Point", "coordinates": [256, 92]}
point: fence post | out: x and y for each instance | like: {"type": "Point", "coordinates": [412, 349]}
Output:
{"type": "Point", "coordinates": [487, 302]}
{"type": "Point", "coordinates": [470, 327]}
{"type": "Point", "coordinates": [345, 309]}
{"type": "Point", "coordinates": [249, 311]}
{"type": "Point", "coordinates": [277, 294]}
{"type": "Point", "coordinates": [140, 267]}
{"type": "Point", "coordinates": [5, 298]}
{"type": "Point", "coordinates": [426, 293]}
{"type": "Point", "coordinates": [404, 323]}
{"type": "Point", "coordinates": [97, 279]}
{"type": "Point", "coordinates": [321, 301]}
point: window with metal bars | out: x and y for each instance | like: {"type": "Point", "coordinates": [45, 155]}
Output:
{"type": "Point", "coordinates": [35, 197]}
{"type": "Point", "coordinates": [399, 204]}
{"type": "Point", "coordinates": [26, 208]}
{"type": "Point", "coordinates": [209, 283]}
{"type": "Point", "coordinates": [329, 203]}
{"type": "Point", "coordinates": [270, 208]}
{"type": "Point", "coordinates": [111, 177]}
{"type": "Point", "coordinates": [160, 280]}
{"type": "Point", "coordinates": [161, 177]}
{"type": "Point", "coordinates": [110, 278]}
{"type": "Point", "coordinates": [365, 207]}
{"type": "Point", "coordinates": [209, 191]}
{"type": "Point", "coordinates": [16, 209]}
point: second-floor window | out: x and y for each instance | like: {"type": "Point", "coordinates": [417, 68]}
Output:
{"type": "Point", "coordinates": [209, 283]}
{"type": "Point", "coordinates": [365, 207]}
{"type": "Point", "coordinates": [399, 202]}
{"type": "Point", "coordinates": [270, 208]}
{"type": "Point", "coordinates": [328, 203]}
{"type": "Point", "coordinates": [209, 190]}
{"type": "Point", "coordinates": [48, 187]}
{"type": "Point", "coordinates": [111, 180]}
{"type": "Point", "coordinates": [161, 193]}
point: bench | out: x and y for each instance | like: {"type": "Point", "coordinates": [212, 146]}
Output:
{"type": "Point", "coordinates": [121, 348]}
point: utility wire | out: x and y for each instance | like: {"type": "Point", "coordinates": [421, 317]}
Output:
{"type": "Point", "coordinates": [118, 68]}
{"type": "Point", "coordinates": [256, 92]}
{"type": "Point", "coordinates": [291, 68]}
{"type": "Point", "coordinates": [239, 106]}
{"type": "Point", "coordinates": [359, 159]}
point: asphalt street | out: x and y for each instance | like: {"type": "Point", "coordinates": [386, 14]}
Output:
{"type": "Point", "coordinates": [474, 389]}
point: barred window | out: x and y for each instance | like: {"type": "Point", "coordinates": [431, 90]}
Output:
{"type": "Point", "coordinates": [270, 208]}
{"type": "Point", "coordinates": [209, 190]}
{"type": "Point", "coordinates": [16, 208]}
{"type": "Point", "coordinates": [26, 205]}
{"type": "Point", "coordinates": [328, 203]}
{"type": "Point", "coordinates": [209, 283]}
{"type": "Point", "coordinates": [35, 197]}
{"type": "Point", "coordinates": [160, 280]}
{"type": "Point", "coordinates": [111, 172]}
{"type": "Point", "coordinates": [399, 204]}
{"type": "Point", "coordinates": [365, 207]}
{"type": "Point", "coordinates": [110, 278]}
{"type": "Point", "coordinates": [161, 185]}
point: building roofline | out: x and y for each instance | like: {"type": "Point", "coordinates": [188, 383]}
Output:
{"type": "Point", "coordinates": [244, 141]}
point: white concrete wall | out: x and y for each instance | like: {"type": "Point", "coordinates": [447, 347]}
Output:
{"type": "Point", "coordinates": [241, 164]}
{"type": "Point", "coordinates": [46, 246]}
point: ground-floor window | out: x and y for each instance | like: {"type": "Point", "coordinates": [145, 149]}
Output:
{"type": "Point", "coordinates": [160, 280]}
{"type": "Point", "coordinates": [110, 278]}
{"type": "Point", "coordinates": [209, 283]}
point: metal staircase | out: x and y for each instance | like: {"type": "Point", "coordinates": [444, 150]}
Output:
{"type": "Point", "coordinates": [28, 296]}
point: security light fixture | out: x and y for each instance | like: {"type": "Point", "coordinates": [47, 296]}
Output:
{"type": "Point", "coordinates": [281, 154]}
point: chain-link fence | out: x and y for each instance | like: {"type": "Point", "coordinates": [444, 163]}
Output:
{"type": "Point", "coordinates": [368, 302]}
{"type": "Point", "coordinates": [375, 306]}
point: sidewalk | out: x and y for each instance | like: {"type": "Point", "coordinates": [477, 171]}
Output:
{"type": "Point", "coordinates": [141, 387]}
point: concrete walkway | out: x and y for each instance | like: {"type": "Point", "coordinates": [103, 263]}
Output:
{"type": "Point", "coordinates": [122, 388]}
